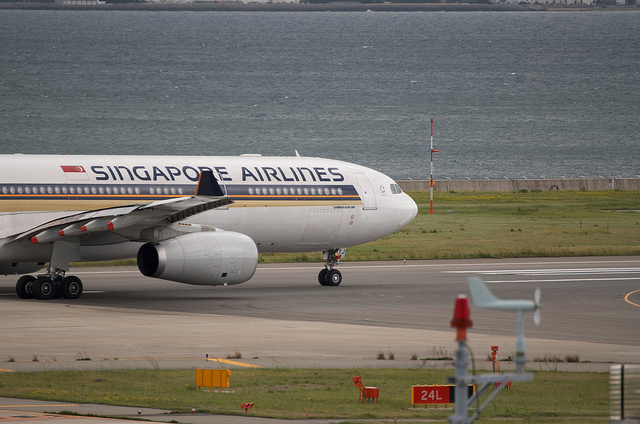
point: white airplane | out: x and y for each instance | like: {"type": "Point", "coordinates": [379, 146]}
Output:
{"type": "Point", "coordinates": [194, 220]}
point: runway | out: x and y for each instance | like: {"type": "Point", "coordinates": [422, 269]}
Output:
{"type": "Point", "coordinates": [283, 317]}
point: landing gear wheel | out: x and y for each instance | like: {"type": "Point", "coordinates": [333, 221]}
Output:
{"type": "Point", "coordinates": [334, 278]}
{"type": "Point", "coordinates": [43, 288]}
{"type": "Point", "coordinates": [322, 277]}
{"type": "Point", "coordinates": [71, 287]}
{"type": "Point", "coordinates": [24, 287]}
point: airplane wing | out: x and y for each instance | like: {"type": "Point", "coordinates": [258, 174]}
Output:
{"type": "Point", "coordinates": [208, 196]}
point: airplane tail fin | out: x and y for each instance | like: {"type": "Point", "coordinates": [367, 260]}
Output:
{"type": "Point", "coordinates": [480, 294]}
{"type": "Point", "coordinates": [208, 185]}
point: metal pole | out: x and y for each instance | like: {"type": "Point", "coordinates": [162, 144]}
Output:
{"type": "Point", "coordinates": [431, 179]}
{"type": "Point", "coordinates": [461, 414]}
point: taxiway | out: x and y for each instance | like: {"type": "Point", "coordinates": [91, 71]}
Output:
{"type": "Point", "coordinates": [283, 317]}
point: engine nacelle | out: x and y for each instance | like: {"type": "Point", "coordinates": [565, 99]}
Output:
{"type": "Point", "coordinates": [207, 258]}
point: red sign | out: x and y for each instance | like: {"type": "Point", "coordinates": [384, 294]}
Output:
{"type": "Point", "coordinates": [430, 395]}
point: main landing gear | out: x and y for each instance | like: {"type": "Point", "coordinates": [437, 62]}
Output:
{"type": "Point", "coordinates": [52, 284]}
{"type": "Point", "coordinates": [330, 276]}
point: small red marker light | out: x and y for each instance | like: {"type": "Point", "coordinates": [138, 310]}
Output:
{"type": "Point", "coordinates": [83, 228]}
{"type": "Point", "coordinates": [110, 225]}
{"type": "Point", "coordinates": [61, 233]}
{"type": "Point", "coordinates": [461, 317]}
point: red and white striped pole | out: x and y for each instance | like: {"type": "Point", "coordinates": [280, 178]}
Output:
{"type": "Point", "coordinates": [431, 180]}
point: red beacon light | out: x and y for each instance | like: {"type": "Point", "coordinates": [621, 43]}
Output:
{"type": "Point", "coordinates": [461, 317]}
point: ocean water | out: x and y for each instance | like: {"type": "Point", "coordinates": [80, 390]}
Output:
{"type": "Point", "coordinates": [512, 94]}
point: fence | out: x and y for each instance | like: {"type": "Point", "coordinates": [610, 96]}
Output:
{"type": "Point", "coordinates": [590, 184]}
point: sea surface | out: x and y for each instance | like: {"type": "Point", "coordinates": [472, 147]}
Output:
{"type": "Point", "coordinates": [512, 94]}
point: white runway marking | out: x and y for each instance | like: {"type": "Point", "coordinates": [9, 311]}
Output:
{"type": "Point", "coordinates": [563, 280]}
{"type": "Point", "coordinates": [551, 271]}
{"type": "Point", "coordinates": [348, 265]}
{"type": "Point", "coordinates": [390, 264]}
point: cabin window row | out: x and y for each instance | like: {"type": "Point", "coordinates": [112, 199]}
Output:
{"type": "Point", "coordinates": [293, 191]}
{"type": "Point", "coordinates": [163, 190]}
{"type": "Point", "coordinates": [91, 190]}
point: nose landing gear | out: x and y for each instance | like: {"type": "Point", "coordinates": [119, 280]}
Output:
{"type": "Point", "coordinates": [330, 276]}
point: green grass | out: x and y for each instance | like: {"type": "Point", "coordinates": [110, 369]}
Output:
{"type": "Point", "coordinates": [327, 393]}
{"type": "Point", "coordinates": [504, 224]}
{"type": "Point", "coordinates": [508, 224]}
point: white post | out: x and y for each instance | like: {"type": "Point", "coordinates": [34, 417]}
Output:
{"type": "Point", "coordinates": [431, 178]}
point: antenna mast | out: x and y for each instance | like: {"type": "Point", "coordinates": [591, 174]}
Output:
{"type": "Point", "coordinates": [431, 180]}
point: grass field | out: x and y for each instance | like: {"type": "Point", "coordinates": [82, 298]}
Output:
{"type": "Point", "coordinates": [553, 397]}
{"type": "Point", "coordinates": [508, 224]}
{"type": "Point", "coordinates": [503, 225]}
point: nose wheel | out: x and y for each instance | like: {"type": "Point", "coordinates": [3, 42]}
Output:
{"type": "Point", "coordinates": [329, 276]}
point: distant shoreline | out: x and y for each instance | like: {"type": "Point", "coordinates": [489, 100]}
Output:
{"type": "Point", "coordinates": [329, 7]}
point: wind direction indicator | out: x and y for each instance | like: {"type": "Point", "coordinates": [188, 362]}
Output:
{"type": "Point", "coordinates": [483, 298]}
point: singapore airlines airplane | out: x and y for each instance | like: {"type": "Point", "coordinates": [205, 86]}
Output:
{"type": "Point", "coordinates": [195, 220]}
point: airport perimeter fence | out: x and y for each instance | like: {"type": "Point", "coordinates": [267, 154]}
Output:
{"type": "Point", "coordinates": [589, 184]}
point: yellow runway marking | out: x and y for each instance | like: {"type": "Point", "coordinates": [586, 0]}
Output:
{"type": "Point", "coordinates": [240, 364]}
{"type": "Point", "coordinates": [4, 370]}
{"type": "Point", "coordinates": [626, 298]}
{"type": "Point", "coordinates": [33, 417]}
{"type": "Point", "coordinates": [32, 406]}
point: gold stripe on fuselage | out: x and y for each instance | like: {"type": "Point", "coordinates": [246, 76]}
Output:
{"type": "Point", "coordinates": [34, 205]}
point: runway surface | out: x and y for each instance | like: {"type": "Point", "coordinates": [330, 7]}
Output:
{"type": "Point", "coordinates": [283, 317]}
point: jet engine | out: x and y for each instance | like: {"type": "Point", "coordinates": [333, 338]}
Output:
{"type": "Point", "coordinates": [206, 258]}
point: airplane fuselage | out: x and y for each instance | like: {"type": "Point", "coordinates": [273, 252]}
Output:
{"type": "Point", "coordinates": [283, 204]}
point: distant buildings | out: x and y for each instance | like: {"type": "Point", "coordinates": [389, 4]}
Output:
{"type": "Point", "coordinates": [563, 2]}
